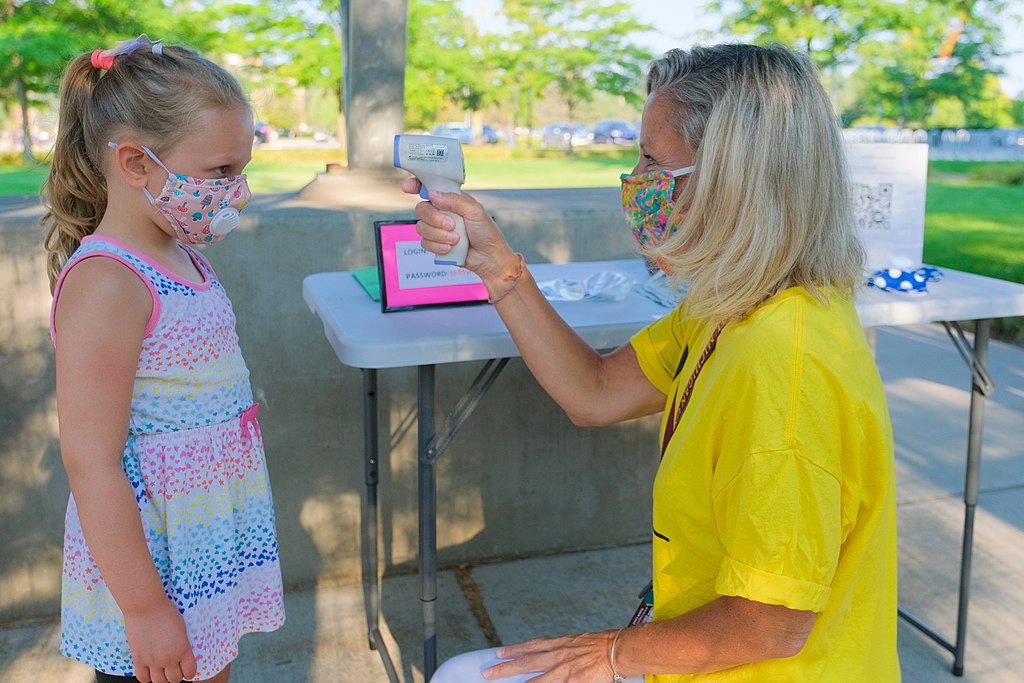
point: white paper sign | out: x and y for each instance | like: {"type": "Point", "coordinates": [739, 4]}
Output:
{"type": "Point", "coordinates": [889, 182]}
{"type": "Point", "coordinates": [417, 270]}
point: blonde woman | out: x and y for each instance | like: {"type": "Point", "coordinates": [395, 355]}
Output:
{"type": "Point", "coordinates": [774, 539]}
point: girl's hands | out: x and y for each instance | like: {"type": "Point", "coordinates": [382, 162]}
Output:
{"type": "Point", "coordinates": [569, 659]}
{"type": "Point", "coordinates": [489, 254]}
{"type": "Point", "coordinates": [161, 652]}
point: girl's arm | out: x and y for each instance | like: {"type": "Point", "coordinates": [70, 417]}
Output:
{"type": "Point", "coordinates": [100, 320]}
{"type": "Point", "coordinates": [593, 389]}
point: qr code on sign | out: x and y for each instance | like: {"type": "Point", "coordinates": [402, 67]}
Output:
{"type": "Point", "coordinates": [872, 206]}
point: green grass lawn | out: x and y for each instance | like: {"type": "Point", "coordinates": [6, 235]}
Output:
{"type": "Point", "coordinates": [264, 177]}
{"type": "Point", "coordinates": [490, 174]}
{"type": "Point", "coordinates": [975, 227]}
{"type": "Point", "coordinates": [18, 180]}
{"type": "Point", "coordinates": [281, 176]}
{"type": "Point", "coordinates": [547, 168]}
{"type": "Point", "coordinates": [978, 227]}
{"type": "Point", "coordinates": [486, 168]}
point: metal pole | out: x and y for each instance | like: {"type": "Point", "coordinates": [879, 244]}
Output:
{"type": "Point", "coordinates": [971, 486]}
{"type": "Point", "coordinates": [454, 421]}
{"type": "Point", "coordinates": [428, 520]}
{"type": "Point", "coordinates": [346, 56]}
{"type": "Point", "coordinates": [370, 583]}
{"type": "Point", "coordinates": [371, 580]}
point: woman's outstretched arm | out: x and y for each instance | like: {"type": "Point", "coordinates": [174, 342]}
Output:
{"type": "Point", "coordinates": [592, 388]}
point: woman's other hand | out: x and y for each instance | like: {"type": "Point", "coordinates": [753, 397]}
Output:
{"type": "Point", "coordinates": [489, 255]}
{"type": "Point", "coordinates": [569, 659]}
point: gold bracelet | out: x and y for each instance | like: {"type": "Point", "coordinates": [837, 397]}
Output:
{"type": "Point", "coordinates": [514, 279]}
{"type": "Point", "coordinates": [616, 676]}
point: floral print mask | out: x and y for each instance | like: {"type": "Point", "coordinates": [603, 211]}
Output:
{"type": "Point", "coordinates": [647, 202]}
{"type": "Point", "coordinates": [201, 211]}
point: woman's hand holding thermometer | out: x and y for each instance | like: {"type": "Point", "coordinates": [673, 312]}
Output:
{"type": "Point", "coordinates": [439, 165]}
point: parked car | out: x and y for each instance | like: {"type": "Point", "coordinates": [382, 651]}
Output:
{"type": "Point", "coordinates": [262, 132]}
{"type": "Point", "coordinates": [614, 131]}
{"type": "Point", "coordinates": [557, 135]}
{"type": "Point", "coordinates": [489, 136]}
{"type": "Point", "coordinates": [1008, 137]}
{"type": "Point", "coordinates": [463, 132]}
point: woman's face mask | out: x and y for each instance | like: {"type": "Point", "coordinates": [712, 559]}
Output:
{"type": "Point", "coordinates": [647, 202]}
{"type": "Point", "coordinates": [201, 211]}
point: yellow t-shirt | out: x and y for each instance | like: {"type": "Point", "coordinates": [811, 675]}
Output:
{"type": "Point", "coordinates": [777, 485]}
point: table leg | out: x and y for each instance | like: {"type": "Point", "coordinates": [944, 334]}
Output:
{"type": "Point", "coordinates": [971, 487]}
{"type": "Point", "coordinates": [432, 444]}
{"type": "Point", "coordinates": [428, 519]}
{"type": "Point", "coordinates": [976, 359]}
{"type": "Point", "coordinates": [371, 580]}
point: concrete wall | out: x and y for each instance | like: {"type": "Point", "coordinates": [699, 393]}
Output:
{"type": "Point", "coordinates": [519, 479]}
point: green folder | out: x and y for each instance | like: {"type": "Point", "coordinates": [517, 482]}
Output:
{"type": "Point", "coordinates": [367, 277]}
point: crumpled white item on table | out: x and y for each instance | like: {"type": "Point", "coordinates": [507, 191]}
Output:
{"type": "Point", "coordinates": [659, 289]}
{"type": "Point", "coordinates": [605, 285]}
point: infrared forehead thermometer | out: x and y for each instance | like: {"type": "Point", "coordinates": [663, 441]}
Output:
{"type": "Point", "coordinates": [439, 165]}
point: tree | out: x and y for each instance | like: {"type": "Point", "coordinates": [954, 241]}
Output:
{"type": "Point", "coordinates": [906, 62]}
{"type": "Point", "coordinates": [938, 68]}
{"type": "Point", "coordinates": [448, 63]}
{"type": "Point", "coordinates": [39, 37]}
{"type": "Point", "coordinates": [578, 46]}
{"type": "Point", "coordinates": [285, 45]}
{"type": "Point", "coordinates": [32, 43]}
{"type": "Point", "coordinates": [963, 69]}
{"type": "Point", "coordinates": [828, 32]}
{"type": "Point", "coordinates": [1017, 111]}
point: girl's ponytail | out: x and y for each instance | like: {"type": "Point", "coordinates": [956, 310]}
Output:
{"type": "Point", "coordinates": [75, 190]}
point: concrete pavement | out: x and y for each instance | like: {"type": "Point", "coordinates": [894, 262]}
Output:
{"type": "Point", "coordinates": [928, 388]}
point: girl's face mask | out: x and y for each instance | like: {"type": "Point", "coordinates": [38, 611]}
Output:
{"type": "Point", "coordinates": [201, 211]}
{"type": "Point", "coordinates": [647, 202]}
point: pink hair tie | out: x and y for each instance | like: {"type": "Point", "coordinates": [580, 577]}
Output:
{"type": "Point", "coordinates": [101, 61]}
{"type": "Point", "coordinates": [104, 59]}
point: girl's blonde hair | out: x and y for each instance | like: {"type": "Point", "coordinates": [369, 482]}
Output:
{"type": "Point", "coordinates": [154, 96]}
{"type": "Point", "coordinates": [768, 206]}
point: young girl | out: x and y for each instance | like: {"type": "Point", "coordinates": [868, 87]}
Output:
{"type": "Point", "coordinates": [170, 548]}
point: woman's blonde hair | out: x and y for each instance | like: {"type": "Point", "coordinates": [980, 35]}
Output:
{"type": "Point", "coordinates": [154, 96]}
{"type": "Point", "coordinates": [768, 206]}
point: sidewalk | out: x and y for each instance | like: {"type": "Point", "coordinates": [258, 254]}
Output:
{"type": "Point", "coordinates": [928, 388]}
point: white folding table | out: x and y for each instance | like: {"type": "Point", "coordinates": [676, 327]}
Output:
{"type": "Point", "coordinates": [364, 338]}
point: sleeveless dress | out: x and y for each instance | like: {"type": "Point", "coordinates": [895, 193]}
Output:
{"type": "Point", "coordinates": [194, 458]}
